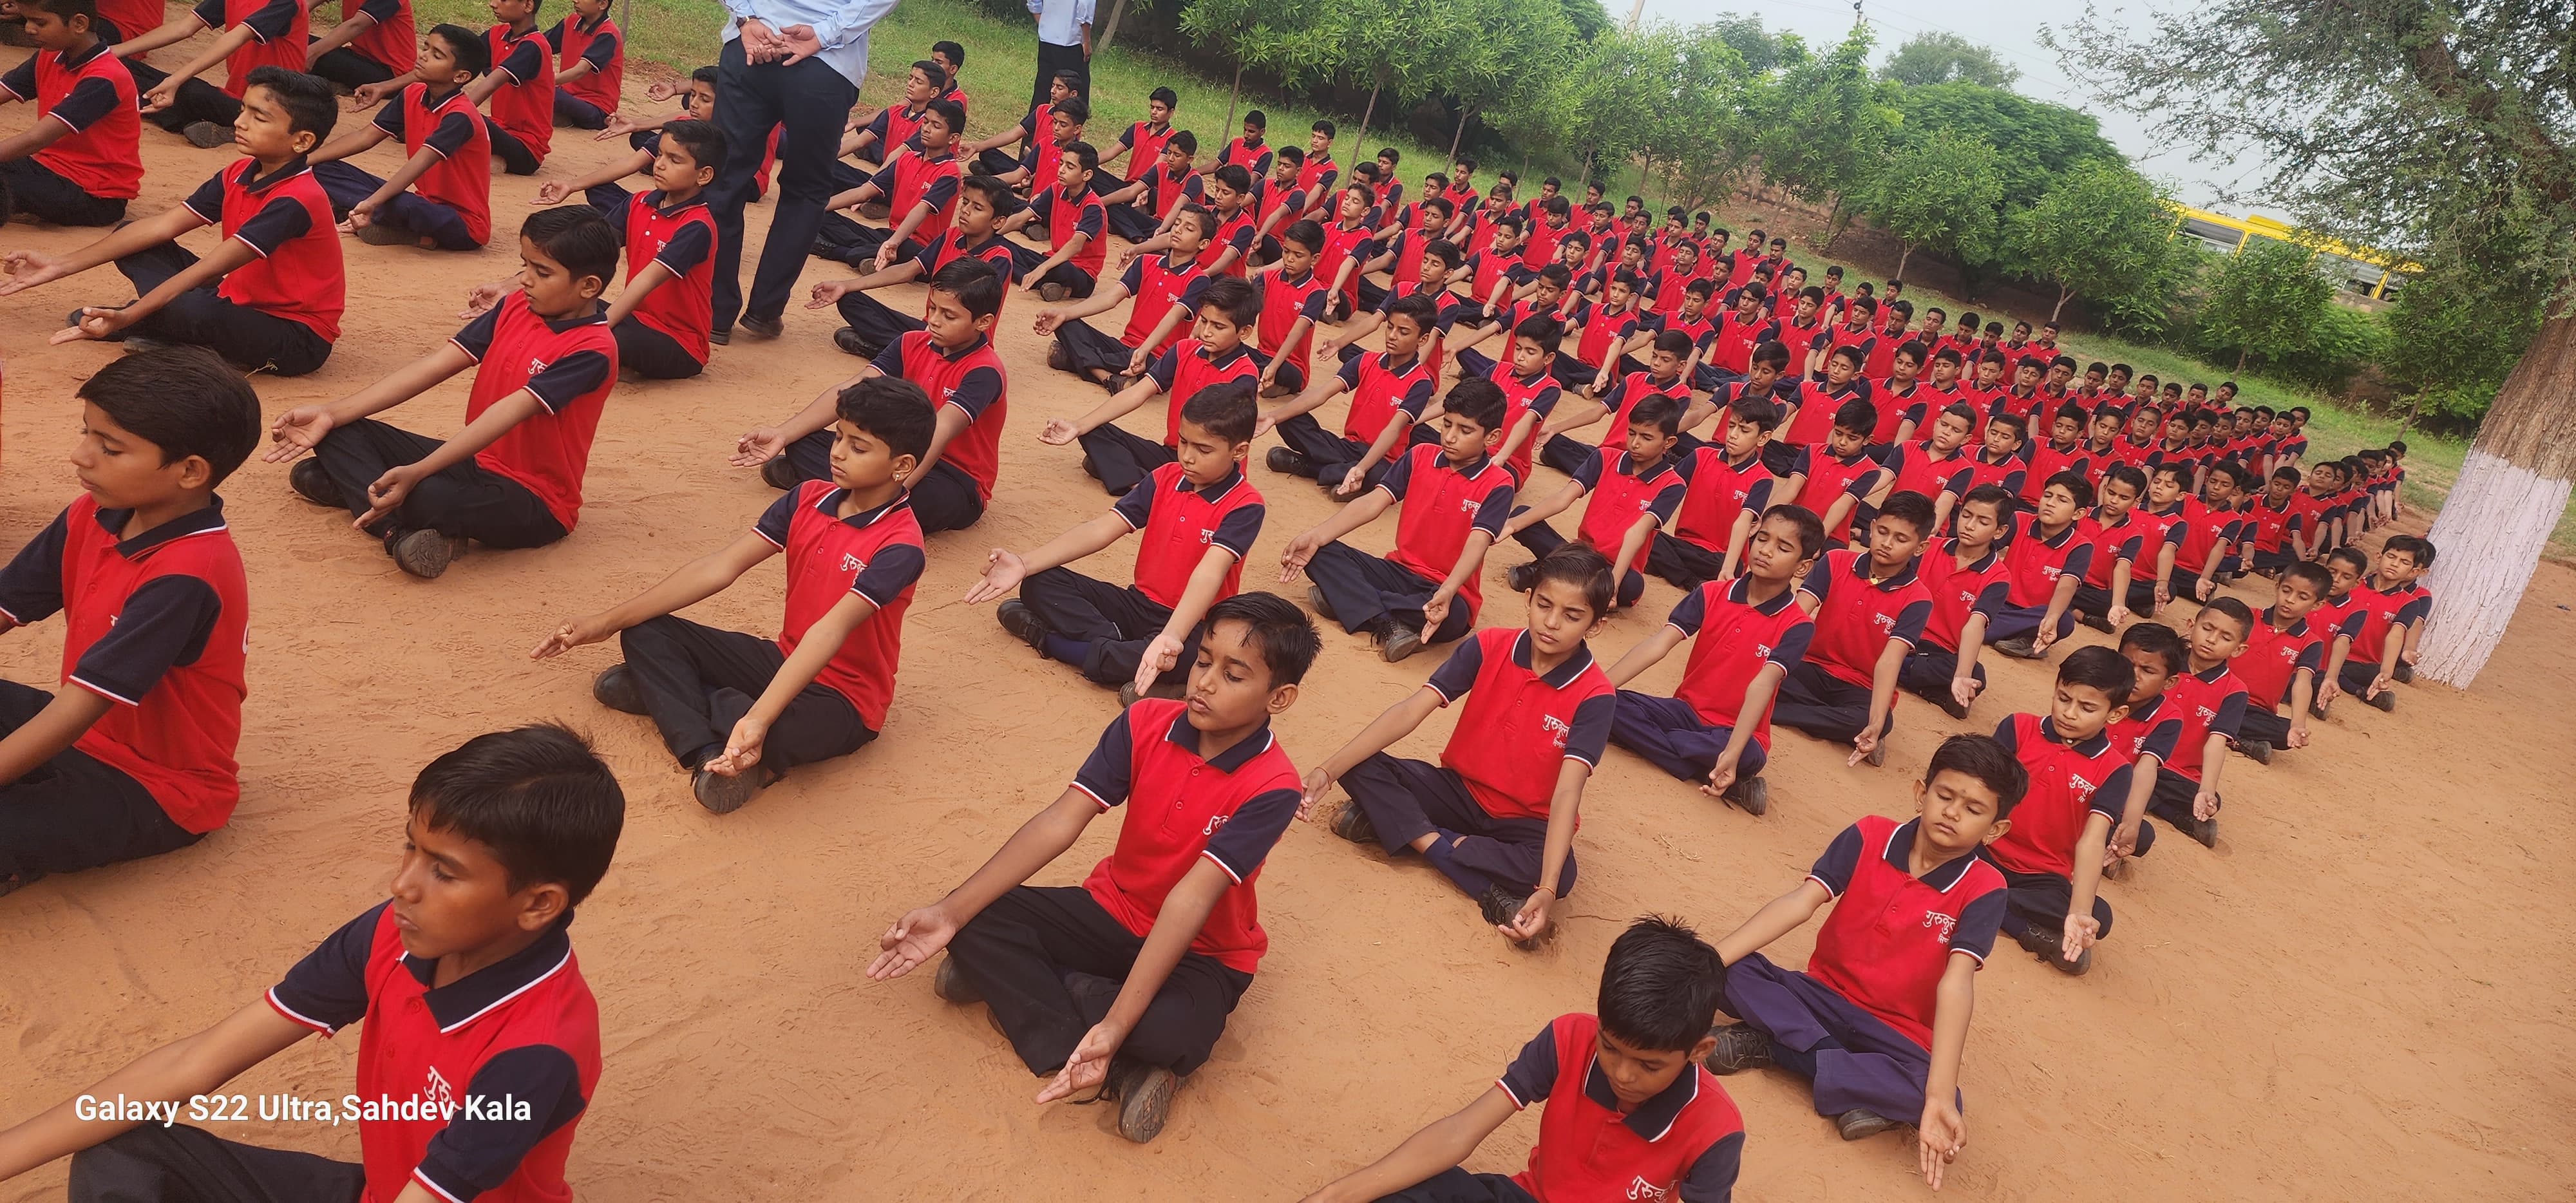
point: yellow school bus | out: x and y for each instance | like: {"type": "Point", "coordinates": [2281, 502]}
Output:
{"type": "Point", "coordinates": [2360, 271]}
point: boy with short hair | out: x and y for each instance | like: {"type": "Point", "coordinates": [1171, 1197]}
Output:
{"type": "Point", "coordinates": [1665, 1130]}
{"type": "Point", "coordinates": [1938, 466]}
{"type": "Point", "coordinates": [2046, 561]}
{"type": "Point", "coordinates": [252, 34]}
{"type": "Point", "coordinates": [2277, 524]}
{"type": "Point", "coordinates": [1969, 577]}
{"type": "Point", "coordinates": [1747, 635]}
{"type": "Point", "coordinates": [2206, 527]}
{"type": "Point", "coordinates": [1389, 390]}
{"type": "Point", "coordinates": [373, 42]}
{"type": "Point", "coordinates": [544, 362]}
{"type": "Point", "coordinates": [466, 982]}
{"type": "Point", "coordinates": [1145, 139]}
{"type": "Point", "coordinates": [1870, 608]}
{"type": "Point", "coordinates": [1035, 126]}
{"type": "Point", "coordinates": [1292, 302]}
{"type": "Point", "coordinates": [872, 325]}
{"type": "Point", "coordinates": [918, 184]}
{"type": "Point", "coordinates": [1198, 517]}
{"type": "Point", "coordinates": [1660, 376]}
{"type": "Point", "coordinates": [2120, 534]}
{"type": "Point", "coordinates": [2082, 788]}
{"type": "Point", "coordinates": [1729, 488]}
{"type": "Point", "coordinates": [662, 317]}
{"type": "Point", "coordinates": [2284, 653]}
{"type": "Point", "coordinates": [1250, 151]}
{"type": "Point", "coordinates": [517, 91]}
{"type": "Point", "coordinates": [1077, 228]}
{"type": "Point", "coordinates": [2384, 608]}
{"type": "Point", "coordinates": [1497, 815]}
{"type": "Point", "coordinates": [80, 168]}
{"type": "Point", "coordinates": [1165, 288]}
{"type": "Point", "coordinates": [738, 710]}
{"type": "Point", "coordinates": [1145, 206]}
{"type": "Point", "coordinates": [1125, 981]}
{"type": "Point", "coordinates": [1630, 496]}
{"type": "Point", "coordinates": [591, 67]}
{"type": "Point", "coordinates": [1215, 355]}
{"type": "Point", "coordinates": [270, 295]}
{"type": "Point", "coordinates": [1455, 497]}
{"type": "Point", "coordinates": [1878, 1023]}
{"type": "Point", "coordinates": [1835, 475]}
{"type": "Point", "coordinates": [950, 358]}
{"type": "Point", "coordinates": [2210, 701]}
{"type": "Point", "coordinates": [138, 760]}
{"type": "Point", "coordinates": [441, 198]}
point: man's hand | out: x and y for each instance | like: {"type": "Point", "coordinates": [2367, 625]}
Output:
{"type": "Point", "coordinates": [2204, 805]}
{"type": "Point", "coordinates": [1862, 745]}
{"type": "Point", "coordinates": [797, 43]}
{"type": "Point", "coordinates": [2080, 933]}
{"type": "Point", "coordinates": [1161, 656]}
{"type": "Point", "coordinates": [1939, 1137]}
{"type": "Point", "coordinates": [297, 431]}
{"type": "Point", "coordinates": [551, 192]}
{"type": "Point", "coordinates": [575, 632]}
{"type": "Point", "coordinates": [1003, 572]}
{"type": "Point", "coordinates": [95, 322]}
{"type": "Point", "coordinates": [1721, 776]}
{"type": "Point", "coordinates": [1294, 558]}
{"type": "Point", "coordinates": [1964, 690]}
{"type": "Point", "coordinates": [759, 45]}
{"type": "Point", "coordinates": [1058, 432]}
{"type": "Point", "coordinates": [1532, 918]}
{"type": "Point", "coordinates": [387, 493]}
{"type": "Point", "coordinates": [829, 293]}
{"type": "Point", "coordinates": [1317, 781]}
{"type": "Point", "coordinates": [1089, 1065]}
{"type": "Point", "coordinates": [1434, 612]}
{"type": "Point", "coordinates": [758, 447]}
{"type": "Point", "coordinates": [913, 939]}
{"type": "Point", "coordinates": [28, 269]}
{"type": "Point", "coordinates": [742, 747]}
{"type": "Point", "coordinates": [485, 296]}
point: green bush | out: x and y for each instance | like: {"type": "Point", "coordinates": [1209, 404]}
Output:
{"type": "Point", "coordinates": [2342, 342]}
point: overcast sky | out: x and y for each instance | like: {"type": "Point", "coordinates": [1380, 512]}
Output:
{"type": "Point", "coordinates": [2010, 27]}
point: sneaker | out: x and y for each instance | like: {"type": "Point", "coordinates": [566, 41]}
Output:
{"type": "Point", "coordinates": [1520, 577]}
{"type": "Point", "coordinates": [721, 338]}
{"type": "Point", "coordinates": [2019, 649]}
{"type": "Point", "coordinates": [1740, 1046]}
{"type": "Point", "coordinates": [1322, 605]}
{"type": "Point", "coordinates": [206, 135]}
{"type": "Point", "coordinates": [951, 986]}
{"type": "Point", "coordinates": [2097, 622]}
{"type": "Point", "coordinates": [422, 553]}
{"type": "Point", "coordinates": [2385, 703]}
{"type": "Point", "coordinates": [850, 343]}
{"type": "Point", "coordinates": [1127, 695]}
{"type": "Point", "coordinates": [876, 210]}
{"type": "Point", "coordinates": [377, 233]}
{"type": "Point", "coordinates": [1023, 623]}
{"type": "Point", "coordinates": [2255, 750]}
{"type": "Point", "coordinates": [2205, 831]}
{"type": "Point", "coordinates": [865, 265]}
{"type": "Point", "coordinates": [778, 473]}
{"type": "Point", "coordinates": [1051, 293]}
{"type": "Point", "coordinates": [311, 483]}
{"type": "Point", "coordinates": [1144, 1100]}
{"type": "Point", "coordinates": [1861, 1125]}
{"type": "Point", "coordinates": [2036, 938]}
{"type": "Point", "coordinates": [1290, 461]}
{"type": "Point", "coordinates": [1949, 705]}
{"type": "Point", "coordinates": [1055, 348]}
{"type": "Point", "coordinates": [761, 327]}
{"type": "Point", "coordinates": [2075, 968]}
{"type": "Point", "coordinates": [1398, 642]}
{"type": "Point", "coordinates": [1877, 757]}
{"type": "Point", "coordinates": [1500, 906]}
{"type": "Point", "coordinates": [617, 690]}
{"type": "Point", "coordinates": [1748, 794]}
{"type": "Point", "coordinates": [724, 795]}
{"type": "Point", "coordinates": [1353, 824]}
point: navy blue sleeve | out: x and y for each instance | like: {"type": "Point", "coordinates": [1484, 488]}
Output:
{"type": "Point", "coordinates": [327, 990]}
{"type": "Point", "coordinates": [1312, 309]}
{"type": "Point", "coordinates": [2008, 734]}
{"type": "Point", "coordinates": [1690, 612]}
{"type": "Point", "coordinates": [2078, 563]}
{"type": "Point", "coordinates": [277, 223]}
{"type": "Point", "coordinates": [1711, 1179]}
{"type": "Point", "coordinates": [1792, 647]}
{"type": "Point", "coordinates": [1415, 399]}
{"type": "Point", "coordinates": [211, 12]}
{"type": "Point", "coordinates": [1532, 1075]}
{"type": "Point", "coordinates": [554, 35]}
{"type": "Point", "coordinates": [1974, 934]}
{"type": "Point", "coordinates": [890, 360]}
{"type": "Point", "coordinates": [522, 64]}
{"type": "Point", "coordinates": [1591, 728]}
{"type": "Point", "coordinates": [1992, 599]}
{"type": "Point", "coordinates": [1135, 507]}
{"type": "Point", "coordinates": [689, 246]}
{"type": "Point", "coordinates": [21, 79]}
{"type": "Point", "coordinates": [1109, 770]}
{"type": "Point", "coordinates": [1910, 621]}
{"type": "Point", "coordinates": [1457, 674]}
{"type": "Point", "coordinates": [31, 587]}
{"type": "Point", "coordinates": [1841, 860]}
{"type": "Point", "coordinates": [1192, 291]}
{"type": "Point", "coordinates": [476, 337]}
{"type": "Point", "coordinates": [1667, 500]}
{"type": "Point", "coordinates": [1819, 580]}
{"type": "Point", "coordinates": [272, 20]}
{"type": "Point", "coordinates": [1758, 498]}
{"type": "Point", "coordinates": [1859, 486]}
{"type": "Point", "coordinates": [894, 569]}
{"type": "Point", "coordinates": [1041, 205]}
{"type": "Point", "coordinates": [390, 117]}
{"type": "Point", "coordinates": [208, 200]}
{"type": "Point", "coordinates": [1133, 279]}
{"type": "Point", "coordinates": [1399, 474]}
{"type": "Point", "coordinates": [2313, 656]}
{"type": "Point", "coordinates": [164, 623]}
{"type": "Point", "coordinates": [568, 378]}
{"type": "Point", "coordinates": [1350, 373]}
{"type": "Point", "coordinates": [601, 49]}
{"type": "Point", "coordinates": [2231, 715]}
{"type": "Point", "coordinates": [2112, 796]}
{"type": "Point", "coordinates": [976, 391]}
{"type": "Point", "coordinates": [453, 132]}
{"type": "Point", "coordinates": [480, 1149]}
{"type": "Point", "coordinates": [90, 100]}
{"type": "Point", "coordinates": [1245, 841]}
{"type": "Point", "coordinates": [2013, 481]}
{"type": "Point", "coordinates": [2413, 611]}
{"type": "Point", "coordinates": [877, 125]}
{"type": "Point", "coordinates": [883, 180]}
{"type": "Point", "coordinates": [1236, 531]}
{"type": "Point", "coordinates": [1493, 512]}
{"type": "Point", "coordinates": [382, 10]}
{"type": "Point", "coordinates": [938, 195]}
{"type": "Point", "coordinates": [2161, 739]}
{"type": "Point", "coordinates": [774, 521]}
{"type": "Point", "coordinates": [1166, 367]}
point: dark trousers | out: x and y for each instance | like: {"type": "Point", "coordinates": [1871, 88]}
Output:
{"type": "Point", "coordinates": [1409, 799]}
{"type": "Point", "coordinates": [2042, 898]}
{"type": "Point", "coordinates": [1053, 58]}
{"type": "Point", "coordinates": [1132, 223]}
{"type": "Point", "coordinates": [249, 338]}
{"type": "Point", "coordinates": [1673, 737]}
{"type": "Point", "coordinates": [1101, 628]}
{"type": "Point", "coordinates": [2262, 725]}
{"type": "Point", "coordinates": [180, 1164]}
{"type": "Point", "coordinates": [30, 187]}
{"type": "Point", "coordinates": [1472, 364]}
{"type": "Point", "coordinates": [2096, 602]}
{"type": "Point", "coordinates": [1685, 564]}
{"type": "Point", "coordinates": [1569, 371]}
{"type": "Point", "coordinates": [1025, 259]}
{"type": "Point", "coordinates": [2171, 801]}
{"type": "Point", "coordinates": [610, 200]}
{"type": "Point", "coordinates": [1370, 295]}
{"type": "Point", "coordinates": [1540, 539]}
{"type": "Point", "coordinates": [578, 113]}
{"type": "Point", "coordinates": [2358, 675]}
{"type": "Point", "coordinates": [811, 100]}
{"type": "Point", "coordinates": [1854, 1060]}
{"type": "Point", "coordinates": [514, 156]}
{"type": "Point", "coordinates": [698, 681]}
{"type": "Point", "coordinates": [996, 162]}
{"type": "Point", "coordinates": [1565, 453]}
{"type": "Point", "coordinates": [1928, 672]}
{"type": "Point", "coordinates": [407, 210]}
{"type": "Point", "coordinates": [1366, 590]}
{"type": "Point", "coordinates": [1050, 961]}
{"type": "Point", "coordinates": [2022, 622]}
{"type": "Point", "coordinates": [73, 812]}
{"type": "Point", "coordinates": [877, 324]}
{"type": "Point", "coordinates": [943, 499]}
{"type": "Point", "coordinates": [1121, 460]}
{"type": "Point", "coordinates": [653, 354]}
{"type": "Point", "coordinates": [1825, 706]}
{"type": "Point", "coordinates": [350, 69]}
{"type": "Point", "coordinates": [1780, 457]}
{"type": "Point", "coordinates": [1454, 1185]}
{"type": "Point", "coordinates": [1087, 350]}
{"type": "Point", "coordinates": [463, 501]}
{"type": "Point", "coordinates": [845, 241]}
{"type": "Point", "coordinates": [195, 101]}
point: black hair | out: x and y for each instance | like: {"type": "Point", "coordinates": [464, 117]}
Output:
{"type": "Point", "coordinates": [2180, 472]}
{"type": "Point", "coordinates": [1183, 141]}
{"type": "Point", "coordinates": [991, 188]}
{"type": "Point", "coordinates": [1438, 248]}
{"type": "Point", "coordinates": [1390, 153]}
{"type": "Point", "coordinates": [2071, 410]}
{"type": "Point", "coordinates": [1755, 291]}
{"type": "Point", "coordinates": [1660, 987]}
{"type": "Point", "coordinates": [1199, 216]}
{"type": "Point", "coordinates": [1233, 297]}
{"type": "Point", "coordinates": [704, 141]}
{"type": "Point", "coordinates": [2351, 557]}
{"type": "Point", "coordinates": [951, 114]}
{"type": "Point", "coordinates": [1980, 757]}
{"type": "Point", "coordinates": [1442, 203]}
{"type": "Point", "coordinates": [1073, 80]}
{"type": "Point", "coordinates": [893, 409]}
{"type": "Point", "coordinates": [1257, 119]}
{"type": "Point", "coordinates": [1229, 410]}
{"type": "Point", "coordinates": [1305, 232]}
{"type": "Point", "coordinates": [1856, 414]}
{"type": "Point", "coordinates": [2288, 473]}
{"type": "Point", "coordinates": [1574, 238]}
{"type": "Point", "coordinates": [2235, 472]}
{"type": "Point", "coordinates": [2101, 668]}
{"type": "Point", "coordinates": [473, 55]}
{"type": "Point", "coordinates": [936, 74]}
{"type": "Point", "coordinates": [1075, 109]}
{"type": "Point", "coordinates": [2417, 550]}
{"type": "Point", "coordinates": [2129, 475]}
{"type": "Point", "coordinates": [1990, 494]}
{"type": "Point", "coordinates": [1657, 410]}
{"type": "Point", "coordinates": [1233, 175]}
{"type": "Point", "coordinates": [953, 52]}
{"type": "Point", "coordinates": [1910, 508]}
{"type": "Point", "coordinates": [1416, 306]}
{"type": "Point", "coordinates": [575, 236]}
{"type": "Point", "coordinates": [1773, 354]}
{"type": "Point", "coordinates": [65, 10]}
{"type": "Point", "coordinates": [1556, 274]}
{"type": "Point", "coordinates": [1543, 330]}
{"type": "Point", "coordinates": [709, 75]}
{"type": "Point", "coordinates": [1958, 409]}
{"type": "Point", "coordinates": [2019, 425]}
{"type": "Point", "coordinates": [974, 283]}
{"type": "Point", "coordinates": [2313, 573]}
{"type": "Point", "coordinates": [1673, 342]}
{"type": "Point", "coordinates": [1764, 415]}
{"type": "Point", "coordinates": [1947, 355]}
{"type": "Point", "coordinates": [1811, 292]}
{"type": "Point", "coordinates": [1324, 127]}
{"type": "Point", "coordinates": [1911, 349]}
{"type": "Point", "coordinates": [311, 106]}
{"type": "Point", "coordinates": [185, 401]}
{"type": "Point", "coordinates": [1274, 627]}
{"type": "Point", "coordinates": [1576, 563]}
{"type": "Point", "coordinates": [2236, 611]}
{"type": "Point", "coordinates": [1479, 400]}
{"type": "Point", "coordinates": [1291, 155]}
{"type": "Point", "coordinates": [537, 796]}
{"type": "Point", "coordinates": [1811, 529]}
{"type": "Point", "coordinates": [1170, 98]}
{"type": "Point", "coordinates": [2075, 485]}
{"type": "Point", "coordinates": [1083, 153]}
{"type": "Point", "coordinates": [1626, 279]}
{"type": "Point", "coordinates": [1702, 288]}
{"type": "Point", "coordinates": [2158, 640]}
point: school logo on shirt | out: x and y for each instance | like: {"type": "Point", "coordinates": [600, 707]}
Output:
{"type": "Point", "coordinates": [1206, 537]}
{"type": "Point", "coordinates": [438, 1093]}
{"type": "Point", "coordinates": [535, 366]}
{"type": "Point", "coordinates": [1885, 622]}
{"type": "Point", "coordinates": [1556, 728]}
{"type": "Point", "coordinates": [1468, 506]}
{"type": "Point", "coordinates": [1213, 823]}
{"type": "Point", "coordinates": [1640, 1189]}
{"type": "Point", "coordinates": [2083, 788]}
{"type": "Point", "coordinates": [1945, 923]}
{"type": "Point", "coordinates": [850, 562]}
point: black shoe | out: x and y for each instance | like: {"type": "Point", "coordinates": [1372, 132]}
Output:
{"type": "Point", "coordinates": [377, 233]}
{"type": "Point", "coordinates": [2098, 622]}
{"type": "Point", "coordinates": [778, 473]}
{"type": "Point", "coordinates": [2075, 968]}
{"type": "Point", "coordinates": [2024, 648]}
{"type": "Point", "coordinates": [2258, 751]}
{"type": "Point", "coordinates": [1050, 293]}
{"type": "Point", "coordinates": [617, 690]}
{"type": "Point", "coordinates": [1127, 695]}
{"type": "Point", "coordinates": [2035, 937]}
{"type": "Point", "coordinates": [1353, 824]}
{"type": "Point", "coordinates": [1749, 795]}
{"type": "Point", "coordinates": [721, 338]}
{"type": "Point", "coordinates": [724, 795]}
{"type": "Point", "coordinates": [1949, 705]}
{"type": "Point", "coordinates": [761, 327]}
{"type": "Point", "coordinates": [1023, 623]}
{"type": "Point", "coordinates": [1861, 1125]}
{"type": "Point", "coordinates": [1740, 1046]}
{"type": "Point", "coordinates": [2385, 703]}
{"type": "Point", "coordinates": [422, 553]}
{"type": "Point", "coordinates": [313, 484]}
{"type": "Point", "coordinates": [1520, 577]}
{"type": "Point", "coordinates": [950, 985]}
{"type": "Point", "coordinates": [1322, 605]}
{"type": "Point", "coordinates": [74, 318]}
{"type": "Point", "coordinates": [1397, 641]}
{"type": "Point", "coordinates": [2204, 830]}
{"type": "Point", "coordinates": [2405, 674]}
{"type": "Point", "coordinates": [1290, 461]}
{"type": "Point", "coordinates": [1144, 1095]}
{"type": "Point", "coordinates": [1500, 906]}
{"type": "Point", "coordinates": [850, 342]}
{"type": "Point", "coordinates": [206, 135]}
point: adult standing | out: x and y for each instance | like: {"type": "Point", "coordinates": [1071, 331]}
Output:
{"type": "Point", "coordinates": [795, 63]}
{"type": "Point", "coordinates": [1064, 44]}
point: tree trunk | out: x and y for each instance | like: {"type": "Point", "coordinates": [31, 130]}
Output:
{"type": "Point", "coordinates": [1109, 31]}
{"type": "Point", "coordinates": [2495, 525]}
{"type": "Point", "coordinates": [1230, 98]}
{"type": "Point", "coordinates": [1458, 139]}
{"type": "Point", "coordinates": [1357, 154]}
{"type": "Point", "coordinates": [1904, 254]}
{"type": "Point", "coordinates": [2063, 292]}
{"type": "Point", "coordinates": [2241, 353]}
{"type": "Point", "coordinates": [1833, 224]}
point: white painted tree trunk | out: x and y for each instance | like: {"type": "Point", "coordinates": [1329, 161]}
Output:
{"type": "Point", "coordinates": [2495, 524]}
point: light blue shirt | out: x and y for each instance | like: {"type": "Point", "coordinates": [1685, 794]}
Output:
{"type": "Point", "coordinates": [840, 25]}
{"type": "Point", "coordinates": [1060, 22]}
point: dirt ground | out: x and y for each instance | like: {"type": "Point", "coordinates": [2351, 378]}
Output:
{"type": "Point", "coordinates": [2327, 1007]}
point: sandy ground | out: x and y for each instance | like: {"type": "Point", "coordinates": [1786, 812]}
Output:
{"type": "Point", "coordinates": [2329, 1006]}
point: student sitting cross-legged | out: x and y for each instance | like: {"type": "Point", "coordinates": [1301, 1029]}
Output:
{"type": "Point", "coordinates": [2284, 654]}
{"type": "Point", "coordinates": [469, 992]}
{"type": "Point", "coordinates": [134, 755]}
{"type": "Point", "coordinates": [1121, 986]}
{"type": "Point", "coordinates": [2211, 702]}
{"type": "Point", "coordinates": [1878, 1022]}
{"type": "Point", "coordinates": [1870, 608]}
{"type": "Point", "coordinates": [872, 324]}
{"type": "Point", "coordinates": [1389, 390]}
{"type": "Point", "coordinates": [739, 710]}
{"type": "Point", "coordinates": [1747, 634]}
{"type": "Point", "coordinates": [1497, 815]}
{"type": "Point", "coordinates": [2082, 788]}
{"type": "Point", "coordinates": [662, 317]}
{"type": "Point", "coordinates": [81, 167]}
{"type": "Point", "coordinates": [1214, 354]}
{"type": "Point", "coordinates": [1632, 493]}
{"type": "Point", "coordinates": [2045, 562]}
{"type": "Point", "coordinates": [544, 362]}
{"type": "Point", "coordinates": [1627, 1110]}
{"type": "Point", "coordinates": [269, 296]}
{"type": "Point", "coordinates": [1968, 580]}
{"type": "Point", "coordinates": [1195, 519]}
{"type": "Point", "coordinates": [1455, 497]}
{"type": "Point", "coordinates": [441, 197]}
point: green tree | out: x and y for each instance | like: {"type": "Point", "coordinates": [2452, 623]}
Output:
{"type": "Point", "coordinates": [1514, 47]}
{"type": "Point", "coordinates": [2439, 126]}
{"type": "Point", "coordinates": [1938, 57]}
{"type": "Point", "coordinates": [1396, 47]}
{"type": "Point", "coordinates": [1825, 128]}
{"type": "Point", "coordinates": [2102, 230]}
{"type": "Point", "coordinates": [2455, 334]}
{"type": "Point", "coordinates": [1941, 193]}
{"type": "Point", "coordinates": [1760, 49]}
{"type": "Point", "coordinates": [1700, 132]}
{"type": "Point", "coordinates": [2039, 142]}
{"type": "Point", "coordinates": [2266, 303]}
{"type": "Point", "coordinates": [1287, 42]}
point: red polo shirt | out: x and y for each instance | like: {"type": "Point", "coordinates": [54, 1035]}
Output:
{"type": "Point", "coordinates": [1918, 472]}
{"type": "Point", "coordinates": [1083, 215]}
{"type": "Point", "coordinates": [1855, 618]}
{"type": "Point", "coordinates": [1186, 369]}
{"type": "Point", "coordinates": [1623, 399]}
{"type": "Point", "coordinates": [969, 379]}
{"type": "Point", "coordinates": [1230, 809]}
{"type": "Point", "coordinates": [1442, 505]}
{"type": "Point", "coordinates": [2202, 528]}
{"type": "Point", "coordinates": [461, 179]}
{"type": "Point", "coordinates": [1519, 727]}
{"type": "Point", "coordinates": [1731, 345]}
{"type": "Point", "coordinates": [910, 179]}
{"type": "Point", "coordinates": [1283, 301]}
{"type": "Point", "coordinates": [1814, 421]}
{"type": "Point", "coordinates": [2010, 472]}
{"type": "Point", "coordinates": [526, 105]}
{"type": "Point", "coordinates": [1179, 522]}
{"type": "Point", "coordinates": [1719, 493]}
{"type": "Point", "coordinates": [2037, 563]}
{"type": "Point", "coordinates": [875, 554]}
{"type": "Point", "coordinates": [604, 46]}
{"type": "Point", "coordinates": [278, 32]}
{"type": "Point", "coordinates": [1830, 476]}
{"type": "Point", "coordinates": [1686, 1142]}
{"type": "Point", "coordinates": [2378, 613]}
{"type": "Point", "coordinates": [1157, 284]}
{"type": "Point", "coordinates": [390, 42]}
{"type": "Point", "coordinates": [2122, 540]}
{"type": "Point", "coordinates": [1145, 143]}
{"type": "Point", "coordinates": [1620, 490]}
{"type": "Point", "coordinates": [286, 218]}
{"type": "Point", "coordinates": [569, 365]}
{"type": "Point", "coordinates": [2069, 780]}
{"type": "Point", "coordinates": [1891, 934]}
{"type": "Point", "coordinates": [2046, 461]}
{"type": "Point", "coordinates": [1523, 396]}
{"type": "Point", "coordinates": [2206, 701]}
{"type": "Point", "coordinates": [1896, 409]}
{"type": "Point", "coordinates": [2275, 654]}
{"type": "Point", "coordinates": [1978, 587]}
{"type": "Point", "coordinates": [683, 239]}
{"type": "Point", "coordinates": [93, 96]}
{"type": "Point", "coordinates": [2149, 729]}
{"type": "Point", "coordinates": [1383, 391]}
{"type": "Point", "coordinates": [1732, 640]}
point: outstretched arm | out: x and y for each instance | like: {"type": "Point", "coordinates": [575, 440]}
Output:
{"type": "Point", "coordinates": [689, 584]}
{"type": "Point", "coordinates": [821, 642]}
{"type": "Point", "coordinates": [170, 1074]}
{"type": "Point", "coordinates": [1777, 918]}
{"type": "Point", "coordinates": [1184, 912]}
{"type": "Point", "coordinates": [921, 933]}
{"type": "Point", "coordinates": [1398, 721]}
{"type": "Point", "coordinates": [1942, 1132]}
{"type": "Point", "coordinates": [1439, 1146]}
